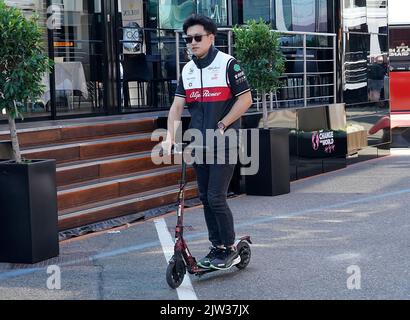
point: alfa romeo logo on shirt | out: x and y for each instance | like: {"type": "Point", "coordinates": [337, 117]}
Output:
{"type": "Point", "coordinates": [237, 68]}
{"type": "Point", "coordinates": [206, 94]}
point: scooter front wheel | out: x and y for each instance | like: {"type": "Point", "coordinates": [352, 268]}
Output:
{"type": "Point", "coordinates": [245, 254]}
{"type": "Point", "coordinates": [176, 273]}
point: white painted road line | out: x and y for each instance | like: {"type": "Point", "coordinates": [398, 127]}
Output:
{"type": "Point", "coordinates": [186, 290]}
{"type": "Point", "coordinates": [400, 152]}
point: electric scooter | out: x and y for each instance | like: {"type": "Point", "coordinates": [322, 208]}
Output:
{"type": "Point", "coordinates": [183, 261]}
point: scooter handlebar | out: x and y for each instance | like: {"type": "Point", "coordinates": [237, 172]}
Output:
{"type": "Point", "coordinates": [178, 148]}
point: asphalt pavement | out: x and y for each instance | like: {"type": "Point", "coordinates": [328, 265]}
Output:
{"type": "Point", "coordinates": [341, 235]}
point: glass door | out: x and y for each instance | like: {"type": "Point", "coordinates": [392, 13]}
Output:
{"type": "Point", "coordinates": [134, 73]}
{"type": "Point", "coordinates": [78, 46]}
{"type": "Point", "coordinates": [147, 53]}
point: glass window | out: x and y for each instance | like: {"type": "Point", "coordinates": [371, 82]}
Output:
{"type": "Point", "coordinates": [172, 13]}
{"type": "Point", "coordinates": [399, 48]}
{"type": "Point", "coordinates": [325, 17]}
{"type": "Point", "coordinates": [365, 16]}
{"type": "Point", "coordinates": [366, 68]}
{"type": "Point", "coordinates": [283, 19]}
{"type": "Point", "coordinates": [132, 21]}
{"type": "Point", "coordinates": [355, 67]}
{"type": "Point", "coordinates": [303, 15]}
{"type": "Point", "coordinates": [152, 9]}
{"type": "Point", "coordinates": [256, 10]}
{"type": "Point", "coordinates": [215, 9]}
{"type": "Point", "coordinates": [39, 7]}
{"type": "Point", "coordinates": [377, 69]}
{"type": "Point", "coordinates": [354, 3]}
{"type": "Point", "coordinates": [148, 59]}
{"type": "Point", "coordinates": [355, 16]}
{"type": "Point", "coordinates": [243, 10]}
{"type": "Point", "coordinates": [78, 53]}
{"type": "Point", "coordinates": [377, 16]}
{"type": "Point", "coordinates": [287, 15]}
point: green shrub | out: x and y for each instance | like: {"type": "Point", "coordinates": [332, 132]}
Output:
{"type": "Point", "coordinates": [257, 48]}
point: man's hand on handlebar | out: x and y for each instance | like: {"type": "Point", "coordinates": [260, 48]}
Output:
{"type": "Point", "coordinates": [167, 147]}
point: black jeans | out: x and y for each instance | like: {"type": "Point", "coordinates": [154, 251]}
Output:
{"type": "Point", "coordinates": [213, 182]}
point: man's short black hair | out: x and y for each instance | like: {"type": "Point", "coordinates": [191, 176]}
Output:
{"type": "Point", "coordinates": [195, 19]}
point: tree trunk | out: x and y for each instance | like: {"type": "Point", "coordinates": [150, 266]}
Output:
{"type": "Point", "coordinates": [14, 138]}
{"type": "Point", "coordinates": [265, 110]}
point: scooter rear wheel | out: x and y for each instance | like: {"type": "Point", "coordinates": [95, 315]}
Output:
{"type": "Point", "coordinates": [176, 273]}
{"type": "Point", "coordinates": [245, 254]}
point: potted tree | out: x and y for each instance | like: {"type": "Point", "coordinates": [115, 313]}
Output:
{"type": "Point", "coordinates": [28, 194]}
{"type": "Point", "coordinates": [257, 47]}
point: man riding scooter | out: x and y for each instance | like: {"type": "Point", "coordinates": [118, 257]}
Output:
{"type": "Point", "coordinates": [215, 89]}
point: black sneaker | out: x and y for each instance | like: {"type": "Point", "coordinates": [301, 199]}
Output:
{"type": "Point", "coordinates": [226, 259]}
{"type": "Point", "coordinates": [205, 263]}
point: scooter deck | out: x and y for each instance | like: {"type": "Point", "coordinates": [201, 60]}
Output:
{"type": "Point", "coordinates": [202, 271]}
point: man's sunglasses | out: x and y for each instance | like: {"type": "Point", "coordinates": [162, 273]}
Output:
{"type": "Point", "coordinates": [198, 38]}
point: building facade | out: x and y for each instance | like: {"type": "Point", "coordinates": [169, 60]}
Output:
{"type": "Point", "coordinates": [120, 56]}
{"type": "Point", "coordinates": [115, 56]}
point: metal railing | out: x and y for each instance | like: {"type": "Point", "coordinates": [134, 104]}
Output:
{"type": "Point", "coordinates": [314, 84]}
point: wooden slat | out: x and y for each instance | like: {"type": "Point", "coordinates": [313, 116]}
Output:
{"type": "Point", "coordinates": [77, 219]}
{"type": "Point", "coordinates": [34, 138]}
{"type": "Point", "coordinates": [126, 166]}
{"type": "Point", "coordinates": [119, 188]}
{"type": "Point", "coordinates": [61, 155]}
{"type": "Point", "coordinates": [107, 129]}
{"type": "Point", "coordinates": [104, 169]}
{"type": "Point", "coordinates": [133, 186]}
{"type": "Point", "coordinates": [39, 138]}
{"type": "Point", "coordinates": [77, 133]}
{"type": "Point", "coordinates": [92, 151]}
{"type": "Point", "coordinates": [82, 196]}
{"type": "Point", "coordinates": [78, 174]}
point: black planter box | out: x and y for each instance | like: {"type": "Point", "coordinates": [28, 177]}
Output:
{"type": "Point", "coordinates": [273, 177]}
{"type": "Point", "coordinates": [6, 150]}
{"type": "Point", "coordinates": [28, 212]}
